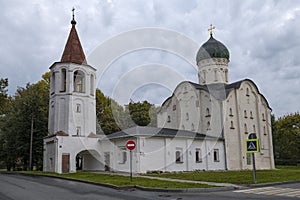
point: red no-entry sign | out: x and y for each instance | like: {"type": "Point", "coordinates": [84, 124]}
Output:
{"type": "Point", "coordinates": [130, 144]}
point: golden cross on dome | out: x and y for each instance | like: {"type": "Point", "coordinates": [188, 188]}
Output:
{"type": "Point", "coordinates": [211, 28]}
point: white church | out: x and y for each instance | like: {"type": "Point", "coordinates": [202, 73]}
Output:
{"type": "Point", "coordinates": [202, 126]}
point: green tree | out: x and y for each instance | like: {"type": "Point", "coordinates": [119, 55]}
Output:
{"type": "Point", "coordinates": [286, 138]}
{"type": "Point", "coordinates": [30, 104]}
{"type": "Point", "coordinates": [4, 103]}
{"type": "Point", "coordinates": [139, 112]}
{"type": "Point", "coordinates": [112, 117]}
{"type": "Point", "coordinates": [3, 95]}
{"type": "Point", "coordinates": [105, 110]}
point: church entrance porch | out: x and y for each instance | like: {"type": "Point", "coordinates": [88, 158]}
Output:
{"type": "Point", "coordinates": [89, 160]}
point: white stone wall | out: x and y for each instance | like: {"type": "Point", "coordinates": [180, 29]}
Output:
{"type": "Point", "coordinates": [50, 155]}
{"type": "Point", "coordinates": [249, 114]}
{"type": "Point", "coordinates": [192, 110]}
{"type": "Point", "coordinates": [89, 147]}
{"type": "Point", "coordinates": [244, 111]}
{"type": "Point", "coordinates": [116, 148]}
{"type": "Point", "coordinates": [158, 154]}
{"type": "Point", "coordinates": [69, 110]}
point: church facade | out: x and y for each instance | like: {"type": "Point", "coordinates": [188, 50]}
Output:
{"type": "Point", "coordinates": [217, 108]}
{"type": "Point", "coordinates": [202, 126]}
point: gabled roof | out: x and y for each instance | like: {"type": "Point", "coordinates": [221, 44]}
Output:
{"type": "Point", "coordinates": [219, 91]}
{"type": "Point", "coordinates": [157, 132]}
{"type": "Point", "coordinates": [73, 51]}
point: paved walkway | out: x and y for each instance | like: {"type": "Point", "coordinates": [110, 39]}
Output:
{"type": "Point", "coordinates": [190, 181]}
{"type": "Point", "coordinates": [178, 180]}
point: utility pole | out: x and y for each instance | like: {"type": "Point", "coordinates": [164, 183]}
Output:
{"type": "Point", "coordinates": [30, 148]}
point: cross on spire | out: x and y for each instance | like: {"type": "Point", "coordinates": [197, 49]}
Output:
{"type": "Point", "coordinates": [211, 28]}
{"type": "Point", "coordinates": [73, 22]}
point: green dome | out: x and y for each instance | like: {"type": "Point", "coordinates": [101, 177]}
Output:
{"type": "Point", "coordinates": [212, 49]}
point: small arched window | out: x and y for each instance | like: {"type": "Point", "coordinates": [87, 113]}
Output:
{"type": "Point", "coordinates": [187, 116]}
{"type": "Point", "coordinates": [263, 117]}
{"type": "Point", "coordinates": [204, 76]}
{"type": "Point", "coordinates": [246, 129]}
{"type": "Point", "coordinates": [178, 156]}
{"type": "Point", "coordinates": [207, 112]}
{"type": "Point", "coordinates": [78, 81]}
{"type": "Point", "coordinates": [230, 112]}
{"type": "Point", "coordinates": [169, 119]}
{"type": "Point", "coordinates": [208, 125]}
{"type": "Point", "coordinates": [245, 114]}
{"type": "Point", "coordinates": [231, 125]}
{"type": "Point", "coordinates": [251, 115]}
{"type": "Point", "coordinates": [247, 92]}
{"type": "Point", "coordinates": [193, 127]}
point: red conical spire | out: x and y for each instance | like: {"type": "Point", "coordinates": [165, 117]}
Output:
{"type": "Point", "coordinates": [73, 50]}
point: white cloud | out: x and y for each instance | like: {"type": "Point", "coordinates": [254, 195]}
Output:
{"type": "Point", "coordinates": [263, 38]}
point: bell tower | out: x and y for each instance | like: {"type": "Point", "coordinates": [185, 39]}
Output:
{"type": "Point", "coordinates": [72, 91]}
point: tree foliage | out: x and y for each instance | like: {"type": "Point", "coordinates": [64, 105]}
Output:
{"type": "Point", "coordinates": [105, 115]}
{"type": "Point", "coordinates": [112, 117]}
{"type": "Point", "coordinates": [286, 138]}
{"type": "Point", "coordinates": [3, 95]}
{"type": "Point", "coordinates": [30, 104]}
{"type": "Point", "coordinates": [139, 112]}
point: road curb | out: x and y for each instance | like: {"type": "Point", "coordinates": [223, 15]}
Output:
{"type": "Point", "coordinates": [271, 184]}
{"type": "Point", "coordinates": [179, 190]}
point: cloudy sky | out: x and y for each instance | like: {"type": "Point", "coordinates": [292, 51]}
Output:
{"type": "Point", "coordinates": [143, 49]}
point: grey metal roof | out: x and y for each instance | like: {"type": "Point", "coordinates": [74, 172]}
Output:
{"type": "Point", "coordinates": [157, 132]}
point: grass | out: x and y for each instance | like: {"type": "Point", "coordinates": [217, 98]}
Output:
{"type": "Point", "coordinates": [282, 173]}
{"type": "Point", "coordinates": [119, 180]}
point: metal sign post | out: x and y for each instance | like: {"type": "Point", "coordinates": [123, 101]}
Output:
{"type": "Point", "coordinates": [252, 147]}
{"type": "Point", "coordinates": [130, 166]}
{"type": "Point", "coordinates": [254, 168]}
{"type": "Point", "coordinates": [130, 144]}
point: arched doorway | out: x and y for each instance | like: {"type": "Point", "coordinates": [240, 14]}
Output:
{"type": "Point", "coordinates": [89, 160]}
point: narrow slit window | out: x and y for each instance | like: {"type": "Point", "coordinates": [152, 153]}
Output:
{"type": "Point", "coordinates": [216, 155]}
{"type": "Point", "coordinates": [208, 126]}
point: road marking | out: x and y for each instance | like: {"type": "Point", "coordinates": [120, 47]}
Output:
{"type": "Point", "coordinates": [289, 192]}
{"type": "Point", "coordinates": [255, 189]}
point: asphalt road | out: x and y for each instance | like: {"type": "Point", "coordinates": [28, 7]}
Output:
{"type": "Point", "coordinates": [19, 187]}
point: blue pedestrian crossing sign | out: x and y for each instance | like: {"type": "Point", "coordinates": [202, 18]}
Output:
{"type": "Point", "coordinates": [252, 146]}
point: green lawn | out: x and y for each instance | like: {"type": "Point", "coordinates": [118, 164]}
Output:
{"type": "Point", "coordinates": [123, 180]}
{"type": "Point", "coordinates": [282, 173]}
